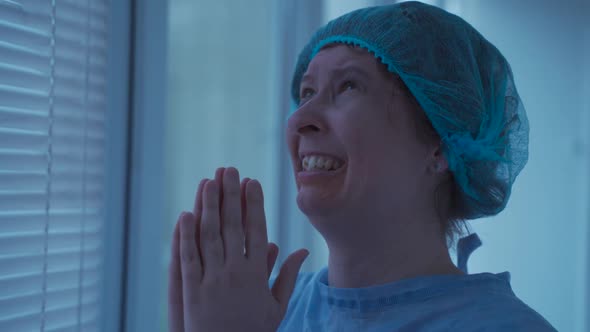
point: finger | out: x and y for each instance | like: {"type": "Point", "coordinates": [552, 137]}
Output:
{"type": "Point", "coordinates": [273, 253]}
{"type": "Point", "coordinates": [231, 216]}
{"type": "Point", "coordinates": [198, 206]}
{"type": "Point", "coordinates": [243, 199]}
{"type": "Point", "coordinates": [211, 243]}
{"type": "Point", "coordinates": [190, 266]}
{"type": "Point", "coordinates": [256, 236]}
{"type": "Point", "coordinates": [175, 304]}
{"type": "Point", "coordinates": [219, 180]}
{"type": "Point", "coordinates": [197, 209]}
{"type": "Point", "coordinates": [285, 282]}
{"type": "Point", "coordinates": [244, 212]}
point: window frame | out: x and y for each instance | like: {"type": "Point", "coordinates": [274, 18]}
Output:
{"type": "Point", "coordinates": [145, 208]}
{"type": "Point", "coordinates": [116, 154]}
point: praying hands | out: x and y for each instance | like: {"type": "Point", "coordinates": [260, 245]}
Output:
{"type": "Point", "coordinates": [222, 260]}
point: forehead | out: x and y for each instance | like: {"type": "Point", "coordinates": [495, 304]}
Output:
{"type": "Point", "coordinates": [340, 56]}
{"type": "Point", "coordinates": [337, 57]}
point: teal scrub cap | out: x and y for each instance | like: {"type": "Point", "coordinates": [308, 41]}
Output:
{"type": "Point", "coordinates": [461, 81]}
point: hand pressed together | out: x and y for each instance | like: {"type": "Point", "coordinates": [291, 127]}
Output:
{"type": "Point", "coordinates": [222, 260]}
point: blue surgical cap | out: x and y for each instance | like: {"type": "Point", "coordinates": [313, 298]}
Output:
{"type": "Point", "coordinates": [462, 82]}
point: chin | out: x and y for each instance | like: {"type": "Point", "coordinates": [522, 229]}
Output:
{"type": "Point", "coordinates": [314, 204]}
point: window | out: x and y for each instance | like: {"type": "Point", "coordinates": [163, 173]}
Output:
{"type": "Point", "coordinates": [85, 219]}
{"type": "Point", "coordinates": [229, 71]}
{"type": "Point", "coordinates": [53, 71]}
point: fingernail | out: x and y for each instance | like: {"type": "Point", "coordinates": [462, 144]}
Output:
{"type": "Point", "coordinates": [255, 187]}
{"type": "Point", "coordinates": [187, 214]}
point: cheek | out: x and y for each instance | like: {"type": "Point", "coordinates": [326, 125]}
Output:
{"type": "Point", "coordinates": [384, 158]}
{"type": "Point", "coordinates": [371, 142]}
{"type": "Point", "coordinates": [373, 162]}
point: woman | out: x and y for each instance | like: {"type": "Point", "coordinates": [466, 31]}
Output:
{"type": "Point", "coordinates": [407, 123]}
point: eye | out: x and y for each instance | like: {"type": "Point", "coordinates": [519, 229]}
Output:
{"type": "Point", "coordinates": [305, 94]}
{"type": "Point", "coordinates": [348, 85]}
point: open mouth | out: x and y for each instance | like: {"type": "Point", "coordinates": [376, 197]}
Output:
{"type": "Point", "coordinates": [312, 162]}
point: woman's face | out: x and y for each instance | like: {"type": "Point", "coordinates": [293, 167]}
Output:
{"type": "Point", "coordinates": [353, 114]}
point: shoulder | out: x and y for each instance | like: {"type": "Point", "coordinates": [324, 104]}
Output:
{"type": "Point", "coordinates": [300, 301]}
{"type": "Point", "coordinates": [500, 311]}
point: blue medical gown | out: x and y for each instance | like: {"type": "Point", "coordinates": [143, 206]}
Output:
{"type": "Point", "coordinates": [470, 302]}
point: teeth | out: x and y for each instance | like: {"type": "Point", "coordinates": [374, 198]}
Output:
{"type": "Point", "coordinates": [320, 163]}
{"type": "Point", "coordinates": [312, 162]}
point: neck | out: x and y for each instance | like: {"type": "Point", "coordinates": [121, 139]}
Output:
{"type": "Point", "coordinates": [375, 258]}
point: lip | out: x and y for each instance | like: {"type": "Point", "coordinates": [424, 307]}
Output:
{"type": "Point", "coordinates": [309, 177]}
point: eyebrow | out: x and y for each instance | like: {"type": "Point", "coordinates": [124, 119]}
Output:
{"type": "Point", "coordinates": [341, 71]}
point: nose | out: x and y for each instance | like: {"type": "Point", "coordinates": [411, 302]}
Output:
{"type": "Point", "coordinates": [306, 120]}
{"type": "Point", "coordinates": [308, 128]}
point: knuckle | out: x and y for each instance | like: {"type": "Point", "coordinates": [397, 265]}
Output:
{"type": "Point", "coordinates": [213, 280]}
{"type": "Point", "coordinates": [233, 224]}
{"type": "Point", "coordinates": [209, 232]}
{"type": "Point", "coordinates": [211, 196]}
{"type": "Point", "coordinates": [187, 255]}
{"type": "Point", "coordinates": [210, 205]}
{"type": "Point", "coordinates": [186, 225]}
{"type": "Point", "coordinates": [232, 190]}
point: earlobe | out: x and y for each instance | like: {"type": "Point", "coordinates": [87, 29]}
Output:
{"type": "Point", "coordinates": [440, 161]}
{"type": "Point", "coordinates": [440, 167]}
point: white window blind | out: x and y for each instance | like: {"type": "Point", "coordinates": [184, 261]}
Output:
{"type": "Point", "coordinates": [53, 57]}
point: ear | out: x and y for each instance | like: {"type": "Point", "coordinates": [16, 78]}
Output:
{"type": "Point", "coordinates": [439, 163]}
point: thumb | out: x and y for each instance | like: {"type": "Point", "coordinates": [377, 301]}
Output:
{"type": "Point", "coordinates": [271, 258]}
{"type": "Point", "coordinates": [285, 282]}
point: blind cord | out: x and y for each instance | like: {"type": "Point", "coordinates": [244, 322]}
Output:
{"type": "Point", "coordinates": [49, 164]}
{"type": "Point", "coordinates": [83, 220]}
